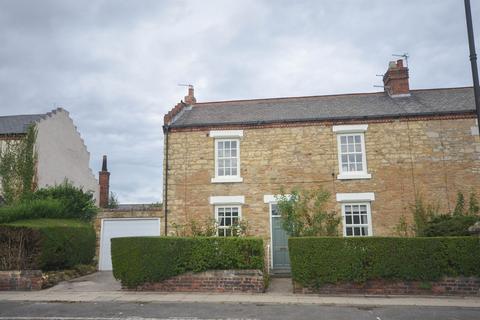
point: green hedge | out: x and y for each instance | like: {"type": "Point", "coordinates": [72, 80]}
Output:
{"type": "Point", "coordinates": [46, 244]}
{"type": "Point", "coordinates": [62, 201]}
{"type": "Point", "coordinates": [317, 261]}
{"type": "Point", "coordinates": [35, 209]}
{"type": "Point", "coordinates": [137, 260]}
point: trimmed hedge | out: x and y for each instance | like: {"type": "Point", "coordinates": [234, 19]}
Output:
{"type": "Point", "coordinates": [138, 260]}
{"type": "Point", "coordinates": [316, 261]}
{"type": "Point", "coordinates": [46, 244]}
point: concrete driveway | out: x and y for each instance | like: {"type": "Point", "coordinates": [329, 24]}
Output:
{"type": "Point", "coordinates": [96, 282]}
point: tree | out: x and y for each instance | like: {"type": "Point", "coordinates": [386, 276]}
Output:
{"type": "Point", "coordinates": [112, 201]}
{"type": "Point", "coordinates": [473, 207]}
{"type": "Point", "coordinates": [460, 205]}
{"type": "Point", "coordinates": [422, 214]}
{"type": "Point", "coordinates": [304, 214]}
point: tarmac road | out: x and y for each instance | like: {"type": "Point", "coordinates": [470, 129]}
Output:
{"type": "Point", "coordinates": [232, 311]}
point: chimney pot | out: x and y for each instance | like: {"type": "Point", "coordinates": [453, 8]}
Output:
{"type": "Point", "coordinates": [104, 163]}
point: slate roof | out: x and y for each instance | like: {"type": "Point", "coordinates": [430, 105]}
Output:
{"type": "Point", "coordinates": [18, 124]}
{"type": "Point", "coordinates": [329, 107]}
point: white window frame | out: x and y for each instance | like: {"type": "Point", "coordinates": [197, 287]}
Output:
{"type": "Point", "coordinates": [226, 205]}
{"type": "Point", "coordinates": [349, 130]}
{"type": "Point", "coordinates": [221, 136]}
{"type": "Point", "coordinates": [369, 218]}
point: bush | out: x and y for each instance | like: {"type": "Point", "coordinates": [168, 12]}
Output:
{"type": "Point", "coordinates": [35, 209]}
{"type": "Point", "coordinates": [304, 213]}
{"type": "Point", "coordinates": [320, 260]}
{"type": "Point", "coordinates": [59, 202]}
{"type": "Point", "coordinates": [138, 260]}
{"type": "Point", "coordinates": [46, 244]}
{"type": "Point", "coordinates": [77, 204]}
{"type": "Point", "coordinates": [447, 225]}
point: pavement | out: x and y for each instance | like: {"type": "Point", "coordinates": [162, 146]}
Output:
{"type": "Point", "coordinates": [102, 287]}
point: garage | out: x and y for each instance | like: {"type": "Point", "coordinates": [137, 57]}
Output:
{"type": "Point", "coordinates": [123, 227]}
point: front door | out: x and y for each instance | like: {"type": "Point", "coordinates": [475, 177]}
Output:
{"type": "Point", "coordinates": [280, 258]}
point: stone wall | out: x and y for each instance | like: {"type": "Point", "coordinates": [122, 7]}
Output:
{"type": "Point", "coordinates": [434, 157]}
{"type": "Point", "coordinates": [246, 281]}
{"type": "Point", "coordinates": [465, 286]}
{"type": "Point", "coordinates": [24, 280]}
{"type": "Point", "coordinates": [125, 211]}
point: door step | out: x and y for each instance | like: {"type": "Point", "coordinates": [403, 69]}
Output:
{"type": "Point", "coordinates": [280, 273]}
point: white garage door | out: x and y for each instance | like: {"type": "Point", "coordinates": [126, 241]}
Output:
{"type": "Point", "coordinates": [116, 228]}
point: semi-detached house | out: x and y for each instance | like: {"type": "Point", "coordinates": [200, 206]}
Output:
{"type": "Point", "coordinates": [372, 151]}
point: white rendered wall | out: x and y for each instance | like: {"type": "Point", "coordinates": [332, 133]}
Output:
{"type": "Point", "coordinates": [63, 154]}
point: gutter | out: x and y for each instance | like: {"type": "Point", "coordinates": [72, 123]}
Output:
{"type": "Point", "coordinates": [166, 128]}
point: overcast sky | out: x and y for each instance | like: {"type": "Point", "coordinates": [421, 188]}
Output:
{"type": "Point", "coordinates": [115, 65]}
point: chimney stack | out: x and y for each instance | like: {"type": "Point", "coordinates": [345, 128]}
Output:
{"type": "Point", "coordinates": [395, 79]}
{"type": "Point", "coordinates": [104, 182]}
{"type": "Point", "coordinates": [190, 98]}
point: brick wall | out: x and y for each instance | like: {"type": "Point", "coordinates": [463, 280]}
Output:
{"type": "Point", "coordinates": [247, 281]}
{"type": "Point", "coordinates": [435, 157]}
{"type": "Point", "coordinates": [25, 280]}
{"type": "Point", "coordinates": [465, 286]}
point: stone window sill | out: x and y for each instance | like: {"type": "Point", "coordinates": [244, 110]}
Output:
{"type": "Point", "coordinates": [350, 176]}
{"type": "Point", "coordinates": [226, 179]}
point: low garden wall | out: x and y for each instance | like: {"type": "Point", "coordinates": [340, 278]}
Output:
{"type": "Point", "coordinates": [465, 286]}
{"type": "Point", "coordinates": [189, 264]}
{"type": "Point", "coordinates": [443, 265]}
{"type": "Point", "coordinates": [245, 281]}
{"type": "Point", "coordinates": [21, 280]}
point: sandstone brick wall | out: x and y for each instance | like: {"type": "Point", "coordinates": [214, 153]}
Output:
{"type": "Point", "coordinates": [465, 286]}
{"type": "Point", "coordinates": [137, 211]}
{"type": "Point", "coordinates": [434, 157]}
{"type": "Point", "coordinates": [246, 281]}
{"type": "Point", "coordinates": [23, 280]}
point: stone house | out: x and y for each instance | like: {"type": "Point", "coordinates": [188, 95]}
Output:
{"type": "Point", "coordinates": [62, 153]}
{"type": "Point", "coordinates": [226, 160]}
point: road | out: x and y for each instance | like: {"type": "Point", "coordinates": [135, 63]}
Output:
{"type": "Point", "coordinates": [224, 311]}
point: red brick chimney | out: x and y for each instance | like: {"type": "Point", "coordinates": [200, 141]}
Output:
{"type": "Point", "coordinates": [395, 79]}
{"type": "Point", "coordinates": [104, 182]}
{"type": "Point", "coordinates": [190, 98]}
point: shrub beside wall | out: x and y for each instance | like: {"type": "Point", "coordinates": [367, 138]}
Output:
{"type": "Point", "coordinates": [46, 244]}
{"type": "Point", "coordinates": [139, 260]}
{"type": "Point", "coordinates": [449, 225]}
{"type": "Point", "coordinates": [318, 261]}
